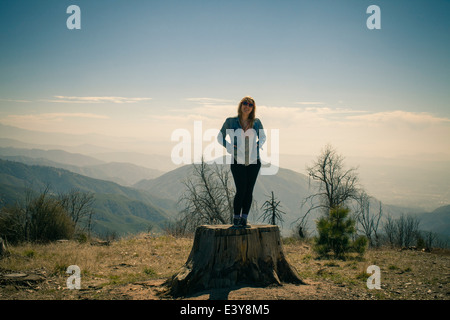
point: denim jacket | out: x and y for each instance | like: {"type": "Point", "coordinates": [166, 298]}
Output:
{"type": "Point", "coordinates": [231, 127]}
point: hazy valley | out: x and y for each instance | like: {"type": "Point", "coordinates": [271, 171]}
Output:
{"type": "Point", "coordinates": [137, 189]}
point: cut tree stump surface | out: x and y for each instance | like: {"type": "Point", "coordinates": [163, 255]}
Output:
{"type": "Point", "coordinates": [224, 256]}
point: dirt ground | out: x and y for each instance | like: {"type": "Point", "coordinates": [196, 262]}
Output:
{"type": "Point", "coordinates": [136, 269]}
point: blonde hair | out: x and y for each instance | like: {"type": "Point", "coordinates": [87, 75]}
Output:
{"type": "Point", "coordinates": [251, 116]}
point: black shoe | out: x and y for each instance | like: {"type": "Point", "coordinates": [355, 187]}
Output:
{"type": "Point", "coordinates": [244, 223]}
{"type": "Point", "coordinates": [236, 222]}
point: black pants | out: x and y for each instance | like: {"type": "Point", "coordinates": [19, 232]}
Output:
{"type": "Point", "coordinates": [244, 180]}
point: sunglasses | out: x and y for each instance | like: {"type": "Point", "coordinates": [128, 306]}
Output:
{"type": "Point", "coordinates": [245, 103]}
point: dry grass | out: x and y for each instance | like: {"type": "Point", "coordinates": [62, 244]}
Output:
{"type": "Point", "coordinates": [138, 258]}
{"type": "Point", "coordinates": [134, 268]}
{"type": "Point", "coordinates": [406, 274]}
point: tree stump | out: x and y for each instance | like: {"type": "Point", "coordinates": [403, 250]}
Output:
{"type": "Point", "coordinates": [223, 256]}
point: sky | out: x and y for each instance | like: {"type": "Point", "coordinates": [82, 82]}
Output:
{"type": "Point", "coordinates": [142, 69]}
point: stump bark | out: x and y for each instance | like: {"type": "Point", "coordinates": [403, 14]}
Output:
{"type": "Point", "coordinates": [223, 256]}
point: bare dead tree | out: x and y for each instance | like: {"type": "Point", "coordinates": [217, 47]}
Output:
{"type": "Point", "coordinates": [41, 218]}
{"type": "Point", "coordinates": [430, 239]}
{"type": "Point", "coordinates": [403, 231]}
{"type": "Point", "coordinates": [410, 229]}
{"type": "Point", "coordinates": [302, 230]}
{"type": "Point", "coordinates": [389, 228]}
{"type": "Point", "coordinates": [336, 184]}
{"type": "Point", "coordinates": [79, 204]}
{"type": "Point", "coordinates": [177, 228]}
{"type": "Point", "coordinates": [368, 220]}
{"type": "Point", "coordinates": [426, 240]}
{"type": "Point", "coordinates": [271, 212]}
{"type": "Point", "coordinates": [208, 196]}
{"type": "Point", "coordinates": [224, 177]}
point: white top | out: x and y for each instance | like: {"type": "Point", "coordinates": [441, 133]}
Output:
{"type": "Point", "coordinates": [246, 147]}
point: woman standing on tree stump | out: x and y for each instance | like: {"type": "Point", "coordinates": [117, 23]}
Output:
{"type": "Point", "coordinates": [244, 149]}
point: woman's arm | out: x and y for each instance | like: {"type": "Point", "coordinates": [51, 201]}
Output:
{"type": "Point", "coordinates": [221, 137]}
{"type": "Point", "coordinates": [261, 135]}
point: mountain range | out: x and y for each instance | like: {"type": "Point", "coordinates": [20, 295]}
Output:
{"type": "Point", "coordinates": [130, 197]}
{"type": "Point", "coordinates": [118, 208]}
{"type": "Point", "coordinates": [417, 181]}
{"type": "Point", "coordinates": [120, 172]}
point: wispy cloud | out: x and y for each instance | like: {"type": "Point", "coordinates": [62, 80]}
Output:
{"type": "Point", "coordinates": [310, 103]}
{"type": "Point", "coordinates": [210, 101]}
{"type": "Point", "coordinates": [63, 122]}
{"type": "Point", "coordinates": [209, 109]}
{"type": "Point", "coordinates": [49, 117]}
{"type": "Point", "coordinates": [400, 116]}
{"type": "Point", "coordinates": [331, 111]}
{"type": "Point", "coordinates": [15, 100]}
{"type": "Point", "coordinates": [68, 99]}
{"type": "Point", "coordinates": [302, 129]}
{"type": "Point", "coordinates": [358, 131]}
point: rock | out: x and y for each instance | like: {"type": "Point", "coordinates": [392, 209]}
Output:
{"type": "Point", "coordinates": [21, 278]}
{"type": "Point", "coordinates": [14, 275]}
{"type": "Point", "coordinates": [100, 243]}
